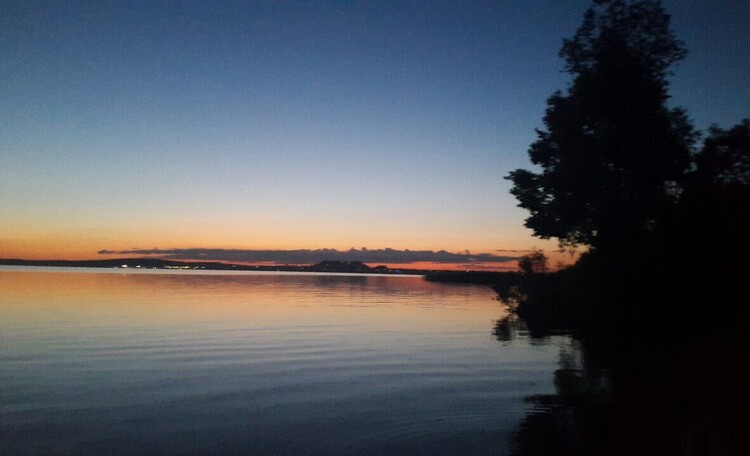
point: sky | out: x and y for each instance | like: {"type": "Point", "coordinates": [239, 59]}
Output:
{"type": "Point", "coordinates": [253, 126]}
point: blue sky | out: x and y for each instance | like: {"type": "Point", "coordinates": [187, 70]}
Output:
{"type": "Point", "coordinates": [289, 125]}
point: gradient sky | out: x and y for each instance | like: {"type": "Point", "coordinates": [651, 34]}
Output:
{"type": "Point", "coordinates": [298, 125]}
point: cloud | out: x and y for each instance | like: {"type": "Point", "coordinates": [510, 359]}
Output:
{"type": "Point", "coordinates": [305, 256]}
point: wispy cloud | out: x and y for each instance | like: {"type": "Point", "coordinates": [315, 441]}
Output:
{"type": "Point", "coordinates": [306, 256]}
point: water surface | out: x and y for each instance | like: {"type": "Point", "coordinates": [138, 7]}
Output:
{"type": "Point", "coordinates": [105, 362]}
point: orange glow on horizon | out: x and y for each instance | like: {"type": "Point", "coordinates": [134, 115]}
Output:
{"type": "Point", "coordinates": [43, 241]}
{"type": "Point", "coordinates": [42, 238]}
{"type": "Point", "coordinates": [50, 251]}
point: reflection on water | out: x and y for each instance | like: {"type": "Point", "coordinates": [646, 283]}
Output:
{"type": "Point", "coordinates": [148, 363]}
{"type": "Point", "coordinates": [620, 394]}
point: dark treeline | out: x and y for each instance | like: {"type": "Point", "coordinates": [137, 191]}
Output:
{"type": "Point", "coordinates": [663, 214]}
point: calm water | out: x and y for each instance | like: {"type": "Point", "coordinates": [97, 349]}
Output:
{"type": "Point", "coordinates": [105, 362]}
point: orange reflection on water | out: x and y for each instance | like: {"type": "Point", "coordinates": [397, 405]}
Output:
{"type": "Point", "coordinates": [152, 299]}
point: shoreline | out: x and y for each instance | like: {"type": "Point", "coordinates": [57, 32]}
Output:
{"type": "Point", "coordinates": [137, 264]}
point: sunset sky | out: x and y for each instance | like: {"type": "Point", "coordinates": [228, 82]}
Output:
{"type": "Point", "coordinates": [298, 125]}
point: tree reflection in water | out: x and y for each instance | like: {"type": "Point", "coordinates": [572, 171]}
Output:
{"type": "Point", "coordinates": [674, 398]}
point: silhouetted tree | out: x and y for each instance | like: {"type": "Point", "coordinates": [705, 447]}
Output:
{"type": "Point", "coordinates": [618, 171]}
{"type": "Point", "coordinates": [533, 263]}
{"type": "Point", "coordinates": [713, 216]}
{"type": "Point", "coordinates": [724, 160]}
{"type": "Point", "coordinates": [612, 154]}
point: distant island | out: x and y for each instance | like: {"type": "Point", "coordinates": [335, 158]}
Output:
{"type": "Point", "coordinates": [351, 267]}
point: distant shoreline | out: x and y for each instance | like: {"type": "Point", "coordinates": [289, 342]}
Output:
{"type": "Point", "coordinates": [347, 267]}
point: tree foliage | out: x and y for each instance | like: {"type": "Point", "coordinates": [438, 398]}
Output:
{"type": "Point", "coordinates": [724, 160]}
{"type": "Point", "coordinates": [533, 263]}
{"type": "Point", "coordinates": [618, 170]}
{"type": "Point", "coordinates": [713, 216]}
{"type": "Point", "coordinates": [612, 153]}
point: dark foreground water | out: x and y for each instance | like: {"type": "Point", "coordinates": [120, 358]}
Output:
{"type": "Point", "coordinates": [105, 362]}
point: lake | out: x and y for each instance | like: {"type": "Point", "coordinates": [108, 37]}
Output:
{"type": "Point", "coordinates": [157, 362]}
